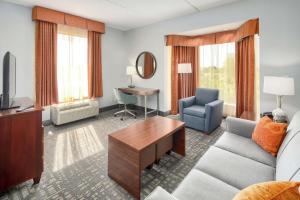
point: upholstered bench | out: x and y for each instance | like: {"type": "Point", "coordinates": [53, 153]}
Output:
{"type": "Point", "coordinates": [69, 112]}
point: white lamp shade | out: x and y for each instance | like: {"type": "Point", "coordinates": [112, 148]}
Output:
{"type": "Point", "coordinates": [184, 68]}
{"type": "Point", "coordinates": [130, 70]}
{"type": "Point", "coordinates": [279, 85]}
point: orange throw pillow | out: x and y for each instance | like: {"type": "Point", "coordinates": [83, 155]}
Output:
{"type": "Point", "coordinates": [269, 135]}
{"type": "Point", "coordinates": [273, 190]}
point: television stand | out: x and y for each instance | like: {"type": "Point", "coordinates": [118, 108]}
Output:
{"type": "Point", "coordinates": [22, 144]}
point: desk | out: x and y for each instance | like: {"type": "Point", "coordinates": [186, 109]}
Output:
{"type": "Point", "coordinates": [145, 92]}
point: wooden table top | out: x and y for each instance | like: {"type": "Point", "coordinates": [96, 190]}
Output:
{"type": "Point", "coordinates": [142, 134]}
{"type": "Point", "coordinates": [140, 91]}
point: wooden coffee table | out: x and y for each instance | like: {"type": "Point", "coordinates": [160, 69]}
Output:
{"type": "Point", "coordinates": [138, 146]}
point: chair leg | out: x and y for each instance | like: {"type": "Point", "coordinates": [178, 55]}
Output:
{"type": "Point", "coordinates": [129, 112]}
{"type": "Point", "coordinates": [125, 109]}
{"type": "Point", "coordinates": [133, 111]}
{"type": "Point", "coordinates": [119, 112]}
{"type": "Point", "coordinates": [124, 113]}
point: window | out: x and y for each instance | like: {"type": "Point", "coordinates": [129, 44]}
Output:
{"type": "Point", "coordinates": [217, 70]}
{"type": "Point", "coordinates": [72, 69]}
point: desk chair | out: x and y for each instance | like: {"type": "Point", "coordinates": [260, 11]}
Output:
{"type": "Point", "coordinates": [125, 99]}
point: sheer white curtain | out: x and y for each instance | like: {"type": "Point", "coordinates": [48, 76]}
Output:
{"type": "Point", "coordinates": [72, 69]}
{"type": "Point", "coordinates": [217, 70]}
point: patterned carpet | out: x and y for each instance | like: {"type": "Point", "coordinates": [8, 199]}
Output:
{"type": "Point", "coordinates": [75, 165]}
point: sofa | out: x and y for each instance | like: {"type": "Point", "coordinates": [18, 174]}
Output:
{"type": "Point", "coordinates": [73, 111]}
{"type": "Point", "coordinates": [203, 112]}
{"type": "Point", "coordinates": [235, 161]}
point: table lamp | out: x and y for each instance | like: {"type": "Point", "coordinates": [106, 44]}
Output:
{"type": "Point", "coordinates": [184, 68]}
{"type": "Point", "coordinates": [130, 71]}
{"type": "Point", "coordinates": [279, 86]}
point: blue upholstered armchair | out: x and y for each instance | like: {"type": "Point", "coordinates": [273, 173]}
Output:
{"type": "Point", "coordinates": [203, 112]}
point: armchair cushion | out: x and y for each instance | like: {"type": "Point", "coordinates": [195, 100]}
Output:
{"type": "Point", "coordinates": [205, 95]}
{"type": "Point", "coordinates": [195, 110]}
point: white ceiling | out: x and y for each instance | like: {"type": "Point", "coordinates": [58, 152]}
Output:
{"type": "Point", "coordinates": [127, 14]}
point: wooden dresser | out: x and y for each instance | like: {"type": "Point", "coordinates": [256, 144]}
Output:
{"type": "Point", "coordinates": [21, 145]}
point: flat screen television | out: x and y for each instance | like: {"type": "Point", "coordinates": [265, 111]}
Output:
{"type": "Point", "coordinates": [9, 81]}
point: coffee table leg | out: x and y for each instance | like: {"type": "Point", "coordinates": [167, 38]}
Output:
{"type": "Point", "coordinates": [157, 161]}
{"type": "Point", "coordinates": [150, 166]}
{"type": "Point", "coordinates": [123, 167]}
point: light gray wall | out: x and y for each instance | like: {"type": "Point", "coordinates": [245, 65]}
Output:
{"type": "Point", "coordinates": [17, 34]}
{"type": "Point", "coordinates": [279, 42]}
{"type": "Point", "coordinates": [113, 64]}
{"type": "Point", "coordinates": [279, 46]}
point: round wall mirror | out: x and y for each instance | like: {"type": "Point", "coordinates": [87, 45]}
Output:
{"type": "Point", "coordinates": [145, 65]}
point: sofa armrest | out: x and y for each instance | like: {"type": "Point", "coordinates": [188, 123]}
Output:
{"type": "Point", "coordinates": [240, 126]}
{"type": "Point", "coordinates": [214, 115]}
{"type": "Point", "coordinates": [184, 103]}
{"type": "Point", "coordinates": [160, 194]}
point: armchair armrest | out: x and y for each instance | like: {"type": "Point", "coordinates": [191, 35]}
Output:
{"type": "Point", "coordinates": [214, 104]}
{"type": "Point", "coordinates": [214, 115]}
{"type": "Point", "coordinates": [240, 127]}
{"type": "Point", "coordinates": [187, 102]}
{"type": "Point", "coordinates": [160, 194]}
{"type": "Point", "coordinates": [184, 103]}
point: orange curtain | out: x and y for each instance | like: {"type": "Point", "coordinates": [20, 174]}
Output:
{"type": "Point", "coordinates": [94, 65]}
{"type": "Point", "coordinates": [148, 65]}
{"type": "Point", "coordinates": [245, 68]}
{"type": "Point", "coordinates": [183, 85]}
{"type": "Point", "coordinates": [45, 63]}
